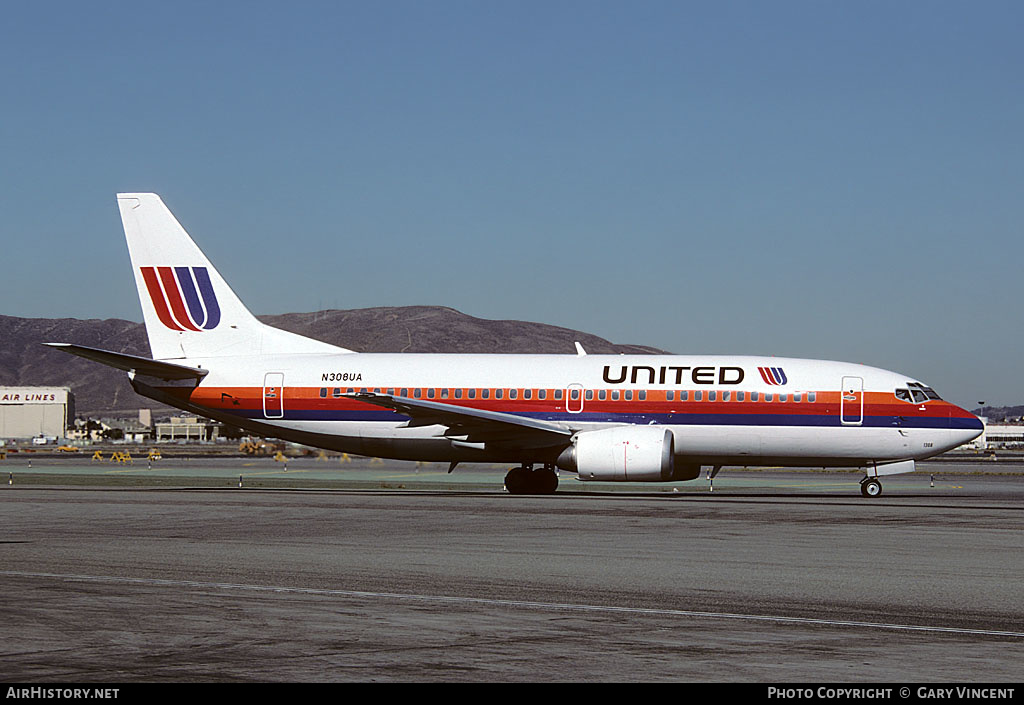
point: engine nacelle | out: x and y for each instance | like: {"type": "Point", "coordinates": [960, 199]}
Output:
{"type": "Point", "coordinates": [625, 454]}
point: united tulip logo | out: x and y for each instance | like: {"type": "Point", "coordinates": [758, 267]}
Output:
{"type": "Point", "coordinates": [183, 297]}
{"type": "Point", "coordinates": [772, 375]}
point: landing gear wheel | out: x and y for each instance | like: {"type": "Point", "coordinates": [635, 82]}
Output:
{"type": "Point", "coordinates": [870, 487]}
{"type": "Point", "coordinates": [517, 481]}
{"type": "Point", "coordinates": [525, 480]}
{"type": "Point", "coordinates": [547, 480]}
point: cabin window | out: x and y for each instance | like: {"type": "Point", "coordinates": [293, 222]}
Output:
{"type": "Point", "coordinates": [574, 394]}
{"type": "Point", "coordinates": [643, 395]}
{"type": "Point", "coordinates": [754, 396]}
{"type": "Point", "coordinates": [485, 393]}
{"type": "Point", "coordinates": [615, 395]}
{"type": "Point", "coordinates": [417, 393]}
{"type": "Point", "coordinates": [629, 395]}
{"type": "Point", "coordinates": [670, 396]}
{"type": "Point", "coordinates": [698, 395]}
{"type": "Point", "coordinates": [431, 393]}
{"type": "Point", "coordinates": [527, 394]}
{"type": "Point", "coordinates": [590, 394]}
{"type": "Point", "coordinates": [405, 391]}
{"type": "Point", "coordinates": [542, 394]}
{"type": "Point", "coordinates": [444, 393]}
{"type": "Point", "coordinates": [684, 395]}
{"type": "Point", "coordinates": [336, 393]}
{"type": "Point", "coordinates": [602, 394]}
{"type": "Point", "coordinates": [712, 395]}
{"type": "Point", "coordinates": [472, 393]}
{"type": "Point", "coordinates": [811, 396]}
{"type": "Point", "coordinates": [497, 393]}
{"type": "Point", "coordinates": [558, 394]}
{"type": "Point", "coordinates": [741, 396]}
{"type": "Point", "coordinates": [513, 393]}
{"type": "Point", "coordinates": [768, 396]}
{"type": "Point", "coordinates": [726, 396]}
{"type": "Point", "coordinates": [458, 393]}
{"type": "Point", "coordinates": [796, 396]}
{"type": "Point", "coordinates": [782, 397]}
{"type": "Point", "coordinates": [323, 392]}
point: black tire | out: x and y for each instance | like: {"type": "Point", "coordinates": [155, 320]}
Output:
{"type": "Point", "coordinates": [545, 481]}
{"type": "Point", "coordinates": [517, 481]}
{"type": "Point", "coordinates": [523, 481]}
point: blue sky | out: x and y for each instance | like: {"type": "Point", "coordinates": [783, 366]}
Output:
{"type": "Point", "coordinates": [840, 180]}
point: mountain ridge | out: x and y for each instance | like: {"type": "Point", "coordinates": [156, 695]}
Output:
{"type": "Point", "coordinates": [24, 361]}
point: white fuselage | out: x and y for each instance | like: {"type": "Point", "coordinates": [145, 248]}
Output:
{"type": "Point", "coordinates": [720, 409]}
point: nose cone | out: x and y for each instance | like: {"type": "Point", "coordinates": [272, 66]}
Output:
{"type": "Point", "coordinates": [964, 426]}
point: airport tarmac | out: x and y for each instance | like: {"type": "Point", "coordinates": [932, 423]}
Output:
{"type": "Point", "coordinates": [774, 577]}
{"type": "Point", "coordinates": [355, 472]}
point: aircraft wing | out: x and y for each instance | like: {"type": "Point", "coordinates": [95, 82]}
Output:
{"type": "Point", "coordinates": [471, 425]}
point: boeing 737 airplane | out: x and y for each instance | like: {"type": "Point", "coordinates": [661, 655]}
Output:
{"type": "Point", "coordinates": [608, 418]}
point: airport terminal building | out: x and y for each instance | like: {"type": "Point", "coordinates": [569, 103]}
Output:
{"type": "Point", "coordinates": [30, 412]}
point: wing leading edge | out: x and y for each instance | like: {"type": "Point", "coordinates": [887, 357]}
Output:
{"type": "Point", "coordinates": [471, 426]}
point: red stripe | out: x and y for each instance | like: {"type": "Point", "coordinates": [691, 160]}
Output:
{"type": "Point", "coordinates": [174, 297]}
{"type": "Point", "coordinates": [157, 296]}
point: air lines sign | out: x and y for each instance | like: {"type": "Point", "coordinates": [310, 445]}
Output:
{"type": "Point", "coordinates": [33, 395]}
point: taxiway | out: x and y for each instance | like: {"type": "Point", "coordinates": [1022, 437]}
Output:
{"type": "Point", "coordinates": [179, 584]}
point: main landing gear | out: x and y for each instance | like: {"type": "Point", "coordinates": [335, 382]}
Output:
{"type": "Point", "coordinates": [526, 480]}
{"type": "Point", "coordinates": [870, 487]}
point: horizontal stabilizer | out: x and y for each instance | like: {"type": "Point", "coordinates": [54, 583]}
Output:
{"type": "Point", "coordinates": [132, 363]}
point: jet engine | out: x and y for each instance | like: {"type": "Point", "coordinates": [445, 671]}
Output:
{"type": "Point", "coordinates": [625, 454]}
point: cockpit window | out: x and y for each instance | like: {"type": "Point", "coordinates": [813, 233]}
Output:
{"type": "Point", "coordinates": [928, 391]}
{"type": "Point", "coordinates": [916, 393]}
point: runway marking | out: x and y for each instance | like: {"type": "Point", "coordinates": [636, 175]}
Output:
{"type": "Point", "coordinates": [527, 604]}
{"type": "Point", "coordinates": [414, 475]}
{"type": "Point", "coordinates": [146, 472]}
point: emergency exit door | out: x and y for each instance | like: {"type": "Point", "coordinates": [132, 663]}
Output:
{"type": "Point", "coordinates": [574, 398]}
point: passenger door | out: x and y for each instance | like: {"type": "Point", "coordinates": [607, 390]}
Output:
{"type": "Point", "coordinates": [851, 401]}
{"type": "Point", "coordinates": [273, 395]}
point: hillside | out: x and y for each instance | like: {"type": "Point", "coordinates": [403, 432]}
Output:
{"type": "Point", "coordinates": [999, 414]}
{"type": "Point", "coordinates": [24, 361]}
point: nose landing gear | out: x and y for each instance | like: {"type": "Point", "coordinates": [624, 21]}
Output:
{"type": "Point", "coordinates": [870, 487]}
{"type": "Point", "coordinates": [526, 480]}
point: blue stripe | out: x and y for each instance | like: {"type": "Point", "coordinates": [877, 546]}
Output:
{"type": "Point", "coordinates": [188, 290]}
{"type": "Point", "coordinates": [209, 298]}
{"type": "Point", "coordinates": [678, 419]}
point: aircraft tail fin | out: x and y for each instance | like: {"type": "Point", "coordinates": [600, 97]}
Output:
{"type": "Point", "coordinates": [189, 310]}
